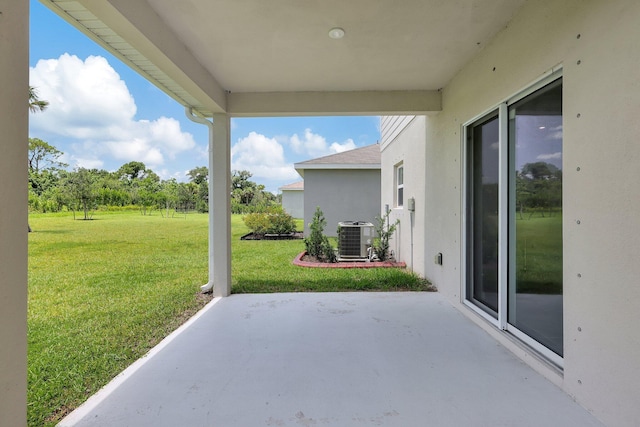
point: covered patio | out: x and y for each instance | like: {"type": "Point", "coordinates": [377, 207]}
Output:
{"type": "Point", "coordinates": [435, 69]}
{"type": "Point", "coordinates": [340, 359]}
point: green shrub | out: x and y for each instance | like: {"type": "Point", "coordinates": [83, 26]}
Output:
{"type": "Point", "coordinates": [384, 230]}
{"type": "Point", "coordinates": [273, 220]}
{"type": "Point", "coordinates": [281, 222]}
{"type": "Point", "coordinates": [317, 244]}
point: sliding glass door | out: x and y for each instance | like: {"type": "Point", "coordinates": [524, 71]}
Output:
{"type": "Point", "coordinates": [514, 272]}
{"type": "Point", "coordinates": [535, 217]}
{"type": "Point", "coordinates": [482, 279]}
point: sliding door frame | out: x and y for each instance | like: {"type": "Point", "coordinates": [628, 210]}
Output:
{"type": "Point", "coordinates": [506, 227]}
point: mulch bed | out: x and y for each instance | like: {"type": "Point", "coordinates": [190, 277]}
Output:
{"type": "Point", "coordinates": [290, 236]}
{"type": "Point", "coordinates": [304, 260]}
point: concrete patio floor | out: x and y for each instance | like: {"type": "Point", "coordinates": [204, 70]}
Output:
{"type": "Point", "coordinates": [331, 359]}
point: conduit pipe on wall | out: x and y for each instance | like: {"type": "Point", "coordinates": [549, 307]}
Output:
{"type": "Point", "coordinates": [197, 119]}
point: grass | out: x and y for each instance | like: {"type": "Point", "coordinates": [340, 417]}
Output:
{"type": "Point", "coordinates": [103, 292]}
{"type": "Point", "coordinates": [539, 254]}
{"type": "Point", "coordinates": [266, 266]}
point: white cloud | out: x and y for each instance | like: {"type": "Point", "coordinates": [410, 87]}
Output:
{"type": "Point", "coordinates": [555, 132]}
{"type": "Point", "coordinates": [87, 163]}
{"type": "Point", "coordinates": [91, 104]}
{"type": "Point", "coordinates": [550, 156]}
{"type": "Point", "coordinates": [555, 135]}
{"type": "Point", "coordinates": [315, 145]}
{"type": "Point", "coordinates": [166, 174]}
{"type": "Point", "coordinates": [339, 148]}
{"type": "Point", "coordinates": [310, 143]}
{"type": "Point", "coordinates": [263, 157]}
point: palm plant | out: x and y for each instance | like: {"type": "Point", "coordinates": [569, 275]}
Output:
{"type": "Point", "coordinates": [35, 104]}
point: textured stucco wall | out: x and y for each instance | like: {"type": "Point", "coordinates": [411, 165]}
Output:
{"type": "Point", "coordinates": [596, 43]}
{"type": "Point", "coordinates": [406, 147]}
{"type": "Point", "coordinates": [342, 194]}
{"type": "Point", "coordinates": [293, 202]}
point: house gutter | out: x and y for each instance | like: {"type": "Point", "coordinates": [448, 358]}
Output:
{"type": "Point", "coordinates": [197, 119]}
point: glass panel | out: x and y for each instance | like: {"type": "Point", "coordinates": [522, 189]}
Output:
{"type": "Point", "coordinates": [535, 288]}
{"type": "Point", "coordinates": [482, 280]}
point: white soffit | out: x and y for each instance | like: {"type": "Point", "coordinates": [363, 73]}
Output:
{"type": "Point", "coordinates": [257, 57]}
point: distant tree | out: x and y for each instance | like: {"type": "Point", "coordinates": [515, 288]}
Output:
{"type": "Point", "coordinates": [80, 190]}
{"type": "Point", "coordinates": [131, 171]}
{"type": "Point", "coordinates": [199, 177]}
{"type": "Point", "coordinates": [35, 104]}
{"type": "Point", "coordinates": [187, 196]}
{"type": "Point", "coordinates": [538, 187]}
{"type": "Point", "coordinates": [247, 196]}
{"type": "Point", "coordinates": [168, 196]}
{"type": "Point", "coordinates": [240, 180]}
{"type": "Point", "coordinates": [149, 188]}
{"type": "Point", "coordinates": [40, 182]}
{"type": "Point", "coordinates": [43, 155]}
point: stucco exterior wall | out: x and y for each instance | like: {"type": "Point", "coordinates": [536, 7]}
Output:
{"type": "Point", "coordinates": [293, 202]}
{"type": "Point", "coordinates": [404, 141]}
{"type": "Point", "coordinates": [14, 69]}
{"type": "Point", "coordinates": [596, 43]}
{"type": "Point", "coordinates": [342, 194]}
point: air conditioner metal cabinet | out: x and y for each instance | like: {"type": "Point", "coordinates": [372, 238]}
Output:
{"type": "Point", "coordinates": [355, 238]}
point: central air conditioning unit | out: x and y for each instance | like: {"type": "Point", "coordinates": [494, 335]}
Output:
{"type": "Point", "coordinates": [354, 240]}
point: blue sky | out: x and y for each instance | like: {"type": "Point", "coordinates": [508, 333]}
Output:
{"type": "Point", "coordinates": [102, 114]}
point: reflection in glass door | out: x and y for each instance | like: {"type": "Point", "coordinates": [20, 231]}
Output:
{"type": "Point", "coordinates": [482, 232]}
{"type": "Point", "coordinates": [535, 285]}
{"type": "Point", "coordinates": [514, 217]}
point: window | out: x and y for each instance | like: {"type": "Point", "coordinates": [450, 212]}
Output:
{"type": "Point", "coordinates": [513, 217]}
{"type": "Point", "coordinates": [399, 174]}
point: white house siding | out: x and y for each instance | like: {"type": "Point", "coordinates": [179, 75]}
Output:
{"type": "Point", "coordinates": [293, 202]}
{"type": "Point", "coordinates": [342, 194]}
{"type": "Point", "coordinates": [596, 43]}
{"type": "Point", "coordinates": [406, 144]}
{"type": "Point", "coordinates": [391, 126]}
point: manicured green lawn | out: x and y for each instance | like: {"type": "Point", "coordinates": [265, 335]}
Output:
{"type": "Point", "coordinates": [539, 254]}
{"type": "Point", "coordinates": [103, 292]}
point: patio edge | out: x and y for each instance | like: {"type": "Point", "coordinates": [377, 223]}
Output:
{"type": "Point", "coordinates": [94, 400]}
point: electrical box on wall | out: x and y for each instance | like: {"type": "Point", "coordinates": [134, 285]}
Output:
{"type": "Point", "coordinates": [411, 204]}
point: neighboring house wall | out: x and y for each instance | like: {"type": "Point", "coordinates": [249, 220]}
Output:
{"type": "Point", "coordinates": [293, 202]}
{"type": "Point", "coordinates": [596, 44]}
{"type": "Point", "coordinates": [342, 194]}
{"type": "Point", "coordinates": [403, 142]}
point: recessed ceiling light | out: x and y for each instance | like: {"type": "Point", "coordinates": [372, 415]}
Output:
{"type": "Point", "coordinates": [336, 33]}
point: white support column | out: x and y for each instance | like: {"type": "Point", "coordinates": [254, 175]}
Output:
{"type": "Point", "coordinates": [14, 69]}
{"type": "Point", "coordinates": [220, 205]}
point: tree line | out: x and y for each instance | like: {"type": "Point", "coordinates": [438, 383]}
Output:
{"type": "Point", "coordinates": [53, 188]}
{"type": "Point", "coordinates": [538, 189]}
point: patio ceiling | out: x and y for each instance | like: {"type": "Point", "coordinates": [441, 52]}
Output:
{"type": "Point", "coordinates": [256, 57]}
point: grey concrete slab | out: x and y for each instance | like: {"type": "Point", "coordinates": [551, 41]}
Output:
{"type": "Point", "coordinates": [334, 359]}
